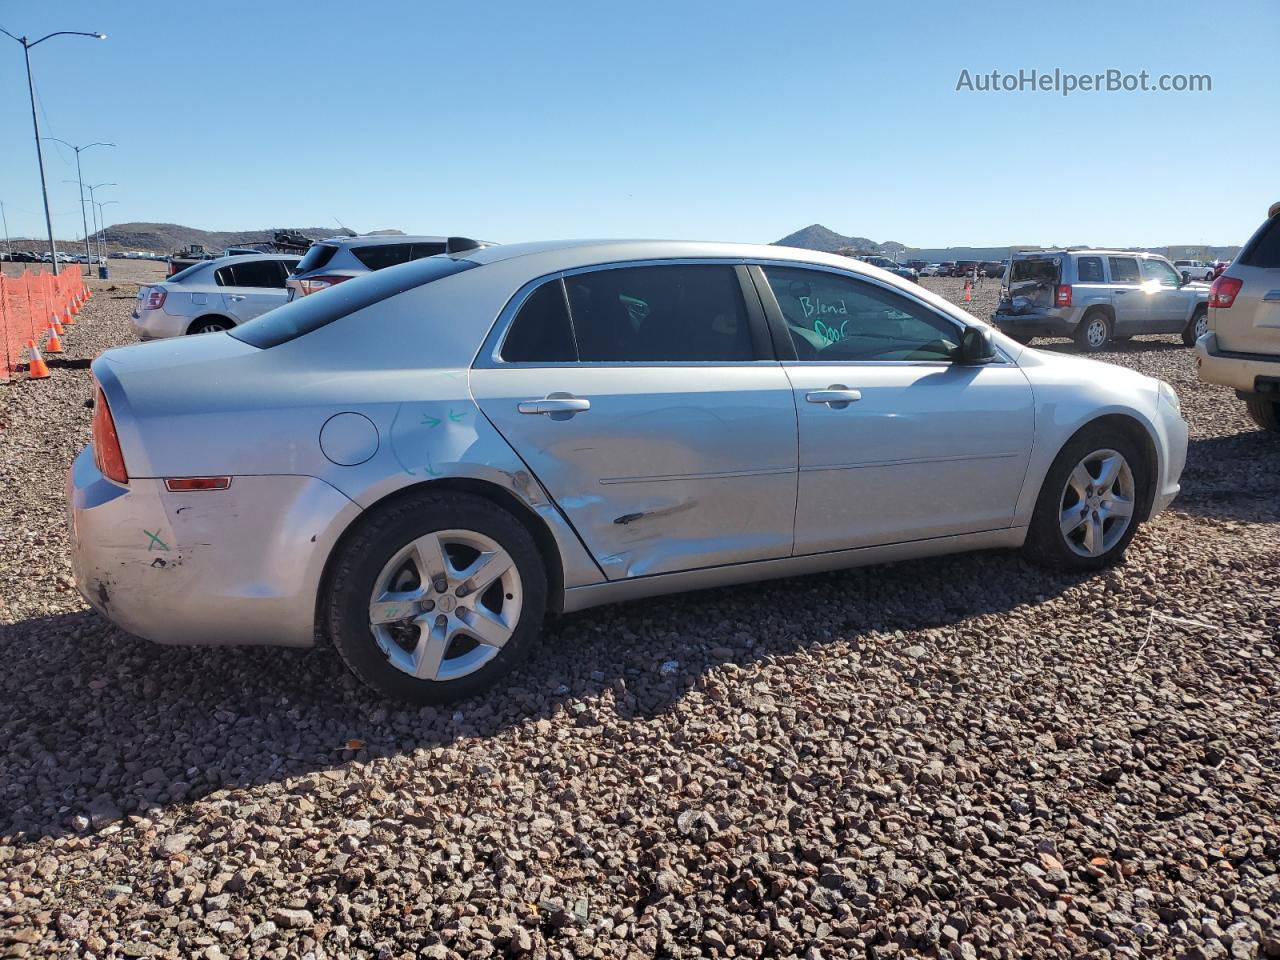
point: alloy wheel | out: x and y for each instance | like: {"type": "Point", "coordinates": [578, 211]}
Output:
{"type": "Point", "coordinates": [1202, 325]}
{"type": "Point", "coordinates": [1097, 504]}
{"type": "Point", "coordinates": [445, 604]}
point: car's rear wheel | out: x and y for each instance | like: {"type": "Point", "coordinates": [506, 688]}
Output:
{"type": "Point", "coordinates": [1265, 413]}
{"type": "Point", "coordinates": [1087, 511]}
{"type": "Point", "coordinates": [435, 597]}
{"type": "Point", "coordinates": [209, 325]}
{"type": "Point", "coordinates": [1197, 326]}
{"type": "Point", "coordinates": [1093, 331]}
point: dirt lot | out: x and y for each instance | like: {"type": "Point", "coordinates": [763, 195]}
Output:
{"type": "Point", "coordinates": [964, 757]}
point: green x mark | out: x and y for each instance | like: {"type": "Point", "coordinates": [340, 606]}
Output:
{"type": "Point", "coordinates": [155, 541]}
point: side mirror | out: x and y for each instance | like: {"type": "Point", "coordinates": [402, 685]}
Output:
{"type": "Point", "coordinates": [976, 347]}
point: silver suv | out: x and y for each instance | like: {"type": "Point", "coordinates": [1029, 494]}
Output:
{"type": "Point", "coordinates": [1096, 296]}
{"type": "Point", "coordinates": [330, 262]}
{"type": "Point", "coordinates": [1242, 347]}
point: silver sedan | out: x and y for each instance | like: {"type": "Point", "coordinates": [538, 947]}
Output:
{"type": "Point", "coordinates": [425, 461]}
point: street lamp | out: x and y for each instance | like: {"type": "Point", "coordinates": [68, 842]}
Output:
{"type": "Point", "coordinates": [88, 268]}
{"type": "Point", "coordinates": [97, 229]}
{"type": "Point", "coordinates": [102, 260]}
{"type": "Point", "coordinates": [35, 123]}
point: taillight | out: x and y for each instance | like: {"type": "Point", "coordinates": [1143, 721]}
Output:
{"type": "Point", "coordinates": [155, 298]}
{"type": "Point", "coordinates": [316, 284]}
{"type": "Point", "coordinates": [1222, 293]}
{"type": "Point", "coordinates": [106, 445]}
{"type": "Point", "coordinates": [1063, 296]}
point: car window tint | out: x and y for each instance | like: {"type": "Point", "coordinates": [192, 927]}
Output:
{"type": "Point", "coordinates": [1158, 270]}
{"type": "Point", "coordinates": [1123, 269]}
{"type": "Point", "coordinates": [383, 255]}
{"type": "Point", "coordinates": [420, 250]}
{"type": "Point", "coordinates": [832, 317]}
{"type": "Point", "coordinates": [676, 313]}
{"type": "Point", "coordinates": [540, 332]}
{"type": "Point", "coordinates": [1263, 249]}
{"type": "Point", "coordinates": [316, 257]}
{"type": "Point", "coordinates": [255, 273]}
{"type": "Point", "coordinates": [1089, 269]}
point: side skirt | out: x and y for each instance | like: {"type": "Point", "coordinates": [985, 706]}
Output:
{"type": "Point", "coordinates": [581, 598]}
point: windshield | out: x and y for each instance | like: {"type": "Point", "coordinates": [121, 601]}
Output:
{"type": "Point", "coordinates": [301, 317]}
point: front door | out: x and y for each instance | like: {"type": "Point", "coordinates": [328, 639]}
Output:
{"type": "Point", "coordinates": [1128, 299]}
{"type": "Point", "coordinates": [896, 442]}
{"type": "Point", "coordinates": [647, 402]}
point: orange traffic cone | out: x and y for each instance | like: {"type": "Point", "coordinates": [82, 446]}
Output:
{"type": "Point", "coordinates": [53, 344]}
{"type": "Point", "coordinates": [67, 318]}
{"type": "Point", "coordinates": [74, 305]}
{"type": "Point", "coordinates": [54, 325]}
{"type": "Point", "coordinates": [37, 369]}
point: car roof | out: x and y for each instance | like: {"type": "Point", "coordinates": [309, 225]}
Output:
{"type": "Point", "coordinates": [1089, 251]}
{"type": "Point", "coordinates": [552, 255]}
{"type": "Point", "coordinates": [379, 239]}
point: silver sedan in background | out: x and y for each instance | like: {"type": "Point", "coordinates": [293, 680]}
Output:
{"type": "Point", "coordinates": [212, 295]}
{"type": "Point", "coordinates": [427, 459]}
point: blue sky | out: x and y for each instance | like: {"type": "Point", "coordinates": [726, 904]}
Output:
{"type": "Point", "coordinates": [710, 120]}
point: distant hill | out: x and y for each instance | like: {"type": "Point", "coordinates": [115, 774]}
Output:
{"type": "Point", "coordinates": [817, 237]}
{"type": "Point", "coordinates": [170, 237]}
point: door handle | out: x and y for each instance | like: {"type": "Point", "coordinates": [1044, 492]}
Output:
{"type": "Point", "coordinates": [837, 396]}
{"type": "Point", "coordinates": [556, 406]}
{"type": "Point", "coordinates": [1118, 292]}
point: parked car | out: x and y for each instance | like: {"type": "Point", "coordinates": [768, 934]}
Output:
{"type": "Point", "coordinates": [241, 252]}
{"type": "Point", "coordinates": [1095, 296]}
{"type": "Point", "coordinates": [917, 265]}
{"type": "Point", "coordinates": [1219, 267]}
{"type": "Point", "coordinates": [1194, 270]}
{"type": "Point", "coordinates": [892, 266]}
{"type": "Point", "coordinates": [424, 461]}
{"type": "Point", "coordinates": [211, 295]}
{"type": "Point", "coordinates": [330, 262]}
{"type": "Point", "coordinates": [932, 270]}
{"type": "Point", "coordinates": [1241, 348]}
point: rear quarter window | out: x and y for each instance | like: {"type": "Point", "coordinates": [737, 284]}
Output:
{"type": "Point", "coordinates": [1263, 248]}
{"type": "Point", "coordinates": [316, 257]}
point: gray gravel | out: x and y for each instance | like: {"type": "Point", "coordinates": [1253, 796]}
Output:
{"type": "Point", "coordinates": [963, 757]}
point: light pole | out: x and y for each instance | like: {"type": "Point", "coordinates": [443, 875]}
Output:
{"type": "Point", "coordinates": [35, 123]}
{"type": "Point", "coordinates": [7, 249]}
{"type": "Point", "coordinates": [94, 209]}
{"type": "Point", "coordinates": [102, 260]}
{"type": "Point", "coordinates": [88, 267]}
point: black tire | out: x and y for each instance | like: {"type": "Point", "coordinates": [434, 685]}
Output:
{"type": "Point", "coordinates": [1265, 413]}
{"type": "Point", "coordinates": [360, 558]}
{"type": "Point", "coordinates": [1198, 317]}
{"type": "Point", "coordinates": [1046, 544]}
{"type": "Point", "coordinates": [208, 325]}
{"type": "Point", "coordinates": [1089, 320]}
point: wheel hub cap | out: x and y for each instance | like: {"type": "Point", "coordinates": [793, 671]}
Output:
{"type": "Point", "coordinates": [1097, 503]}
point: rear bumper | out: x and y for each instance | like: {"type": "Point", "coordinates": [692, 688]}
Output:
{"type": "Point", "coordinates": [220, 567]}
{"type": "Point", "coordinates": [1041, 323]}
{"type": "Point", "coordinates": [156, 324]}
{"type": "Point", "coordinates": [1238, 370]}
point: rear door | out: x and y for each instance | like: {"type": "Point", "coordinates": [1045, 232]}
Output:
{"type": "Point", "coordinates": [1252, 323]}
{"type": "Point", "coordinates": [251, 287]}
{"type": "Point", "coordinates": [1127, 297]}
{"type": "Point", "coordinates": [647, 401]}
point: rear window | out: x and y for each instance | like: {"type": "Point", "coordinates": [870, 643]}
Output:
{"type": "Point", "coordinates": [1123, 269]}
{"type": "Point", "coordinates": [302, 316]}
{"type": "Point", "coordinates": [389, 254]}
{"type": "Point", "coordinates": [316, 257]}
{"type": "Point", "coordinates": [1263, 249]}
{"type": "Point", "coordinates": [1044, 271]}
{"type": "Point", "coordinates": [185, 273]}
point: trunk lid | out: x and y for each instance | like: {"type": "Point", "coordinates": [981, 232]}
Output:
{"type": "Point", "coordinates": [1029, 284]}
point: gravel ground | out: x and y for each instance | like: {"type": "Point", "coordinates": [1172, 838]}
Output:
{"type": "Point", "coordinates": [963, 757]}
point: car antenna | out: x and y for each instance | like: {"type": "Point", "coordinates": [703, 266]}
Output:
{"type": "Point", "coordinates": [345, 227]}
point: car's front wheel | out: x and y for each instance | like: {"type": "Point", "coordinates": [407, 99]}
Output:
{"type": "Point", "coordinates": [1087, 511]}
{"type": "Point", "coordinates": [1265, 413]}
{"type": "Point", "coordinates": [435, 597]}
{"type": "Point", "coordinates": [1093, 331]}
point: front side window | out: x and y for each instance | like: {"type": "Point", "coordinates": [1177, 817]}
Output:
{"type": "Point", "coordinates": [1123, 269]}
{"type": "Point", "coordinates": [1159, 270]}
{"type": "Point", "coordinates": [676, 313]}
{"type": "Point", "coordinates": [833, 318]}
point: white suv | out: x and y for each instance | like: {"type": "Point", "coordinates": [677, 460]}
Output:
{"type": "Point", "coordinates": [1242, 347]}
{"type": "Point", "coordinates": [330, 262]}
{"type": "Point", "coordinates": [212, 295]}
